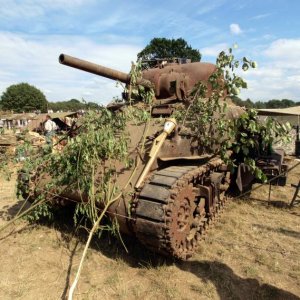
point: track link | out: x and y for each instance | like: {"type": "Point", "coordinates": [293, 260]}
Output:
{"type": "Point", "coordinates": [170, 217]}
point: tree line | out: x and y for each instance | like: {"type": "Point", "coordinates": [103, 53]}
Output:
{"type": "Point", "coordinates": [23, 97]}
{"type": "Point", "coordinates": [72, 105]}
{"type": "Point", "coordinates": [26, 98]}
{"type": "Point", "coordinates": [273, 103]}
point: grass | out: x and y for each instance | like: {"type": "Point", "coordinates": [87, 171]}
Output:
{"type": "Point", "coordinates": [252, 253]}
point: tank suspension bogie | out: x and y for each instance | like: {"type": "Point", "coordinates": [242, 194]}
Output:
{"type": "Point", "coordinates": [175, 207]}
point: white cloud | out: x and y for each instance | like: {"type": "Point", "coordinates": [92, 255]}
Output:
{"type": "Point", "coordinates": [33, 8]}
{"type": "Point", "coordinates": [261, 16]}
{"type": "Point", "coordinates": [235, 29]}
{"type": "Point", "coordinates": [207, 7]}
{"type": "Point", "coordinates": [268, 36]}
{"type": "Point", "coordinates": [285, 52]}
{"type": "Point", "coordinates": [35, 60]}
{"type": "Point", "coordinates": [271, 88]}
{"type": "Point", "coordinates": [213, 50]}
{"type": "Point", "coordinates": [279, 76]}
{"type": "Point", "coordinates": [284, 48]}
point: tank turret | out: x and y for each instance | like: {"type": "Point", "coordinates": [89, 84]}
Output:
{"type": "Point", "coordinates": [171, 81]}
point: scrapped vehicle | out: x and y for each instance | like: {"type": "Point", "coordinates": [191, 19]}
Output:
{"type": "Point", "coordinates": [178, 189]}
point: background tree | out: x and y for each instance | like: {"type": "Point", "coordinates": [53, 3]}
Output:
{"type": "Point", "coordinates": [274, 103]}
{"type": "Point", "coordinates": [169, 48]}
{"type": "Point", "coordinates": [72, 105]}
{"type": "Point", "coordinates": [23, 97]}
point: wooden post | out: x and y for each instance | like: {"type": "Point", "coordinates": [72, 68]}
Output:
{"type": "Point", "coordinates": [296, 195]}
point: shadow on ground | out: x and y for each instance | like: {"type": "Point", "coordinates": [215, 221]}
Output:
{"type": "Point", "coordinates": [275, 203]}
{"type": "Point", "coordinates": [8, 212]}
{"type": "Point", "coordinates": [231, 286]}
{"type": "Point", "coordinates": [228, 284]}
{"type": "Point", "coordinates": [288, 232]}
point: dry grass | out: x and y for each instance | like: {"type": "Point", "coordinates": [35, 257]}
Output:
{"type": "Point", "coordinates": [252, 253]}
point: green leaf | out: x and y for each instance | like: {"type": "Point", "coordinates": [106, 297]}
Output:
{"type": "Point", "coordinates": [245, 60]}
{"type": "Point", "coordinates": [245, 67]}
{"type": "Point", "coordinates": [245, 150]}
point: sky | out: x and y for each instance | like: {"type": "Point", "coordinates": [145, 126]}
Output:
{"type": "Point", "coordinates": [111, 32]}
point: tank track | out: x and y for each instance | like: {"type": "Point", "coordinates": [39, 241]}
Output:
{"type": "Point", "coordinates": [170, 215]}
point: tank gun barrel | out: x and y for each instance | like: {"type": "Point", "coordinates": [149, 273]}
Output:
{"type": "Point", "coordinates": [99, 70]}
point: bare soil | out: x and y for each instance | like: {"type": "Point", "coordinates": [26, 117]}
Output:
{"type": "Point", "coordinates": [251, 253]}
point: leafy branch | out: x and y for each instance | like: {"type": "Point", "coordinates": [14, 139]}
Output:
{"type": "Point", "coordinates": [218, 127]}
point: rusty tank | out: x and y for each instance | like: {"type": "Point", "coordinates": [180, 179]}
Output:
{"type": "Point", "coordinates": [178, 190]}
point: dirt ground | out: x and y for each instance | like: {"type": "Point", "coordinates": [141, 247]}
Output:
{"type": "Point", "coordinates": [251, 253]}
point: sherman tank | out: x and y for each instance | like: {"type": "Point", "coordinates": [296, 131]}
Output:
{"type": "Point", "coordinates": [178, 189]}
